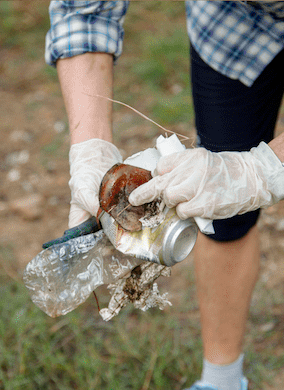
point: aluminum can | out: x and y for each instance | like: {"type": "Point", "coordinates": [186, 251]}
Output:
{"type": "Point", "coordinates": [168, 243]}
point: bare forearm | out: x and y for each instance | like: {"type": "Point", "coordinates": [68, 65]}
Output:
{"type": "Point", "coordinates": [81, 77]}
{"type": "Point", "coordinates": [277, 145]}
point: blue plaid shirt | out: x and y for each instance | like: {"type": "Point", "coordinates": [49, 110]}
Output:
{"type": "Point", "coordinates": [238, 39]}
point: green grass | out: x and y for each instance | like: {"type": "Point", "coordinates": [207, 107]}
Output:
{"type": "Point", "coordinates": [153, 350]}
{"type": "Point", "coordinates": [22, 37]}
{"type": "Point", "coordinates": [53, 147]}
{"type": "Point", "coordinates": [154, 73]}
{"type": "Point", "coordinates": [57, 150]}
{"type": "Point", "coordinates": [50, 73]}
{"type": "Point", "coordinates": [135, 351]}
{"type": "Point", "coordinates": [164, 60]}
{"type": "Point", "coordinates": [23, 26]}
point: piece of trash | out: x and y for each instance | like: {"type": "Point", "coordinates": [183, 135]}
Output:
{"type": "Point", "coordinates": [150, 232]}
{"type": "Point", "coordinates": [139, 288]}
{"type": "Point", "coordinates": [64, 275]}
{"type": "Point", "coordinates": [167, 244]}
{"type": "Point", "coordinates": [116, 186]}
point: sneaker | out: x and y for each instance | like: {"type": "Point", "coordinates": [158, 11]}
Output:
{"type": "Point", "coordinates": [199, 386]}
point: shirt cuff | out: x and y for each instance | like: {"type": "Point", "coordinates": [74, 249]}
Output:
{"type": "Point", "coordinates": [79, 27]}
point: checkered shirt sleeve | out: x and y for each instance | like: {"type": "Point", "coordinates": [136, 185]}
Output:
{"type": "Point", "coordinates": [78, 27]}
{"type": "Point", "coordinates": [237, 39]}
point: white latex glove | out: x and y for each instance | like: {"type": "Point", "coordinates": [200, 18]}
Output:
{"type": "Point", "coordinates": [215, 185]}
{"type": "Point", "coordinates": [89, 161]}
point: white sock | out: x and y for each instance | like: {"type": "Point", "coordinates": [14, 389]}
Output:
{"type": "Point", "coordinates": [223, 377]}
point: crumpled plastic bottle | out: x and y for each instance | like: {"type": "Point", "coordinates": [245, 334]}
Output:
{"type": "Point", "coordinates": [63, 276]}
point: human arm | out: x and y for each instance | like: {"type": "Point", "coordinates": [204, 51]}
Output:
{"type": "Point", "coordinates": [90, 124]}
{"type": "Point", "coordinates": [84, 40]}
{"type": "Point", "coordinates": [217, 185]}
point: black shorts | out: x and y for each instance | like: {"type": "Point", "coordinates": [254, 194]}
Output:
{"type": "Point", "coordinates": [230, 116]}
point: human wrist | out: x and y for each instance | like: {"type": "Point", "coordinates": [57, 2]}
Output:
{"type": "Point", "coordinates": [92, 147]}
{"type": "Point", "coordinates": [89, 133]}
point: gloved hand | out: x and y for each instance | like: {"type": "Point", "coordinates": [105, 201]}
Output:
{"type": "Point", "coordinates": [215, 185]}
{"type": "Point", "coordinates": [89, 161]}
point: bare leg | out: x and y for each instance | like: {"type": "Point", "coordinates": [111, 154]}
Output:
{"type": "Point", "coordinates": [226, 274]}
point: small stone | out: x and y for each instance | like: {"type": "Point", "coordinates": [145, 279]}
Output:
{"type": "Point", "coordinates": [13, 175]}
{"type": "Point", "coordinates": [59, 127]}
{"type": "Point", "coordinates": [29, 207]}
{"type": "Point", "coordinates": [23, 156]}
{"type": "Point", "coordinates": [176, 89]}
{"type": "Point", "coordinates": [17, 135]}
{"type": "Point", "coordinates": [280, 225]}
{"type": "Point", "coordinates": [51, 166]}
{"type": "Point", "coordinates": [267, 327]}
{"type": "Point", "coordinates": [20, 135]}
{"type": "Point", "coordinates": [18, 158]}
